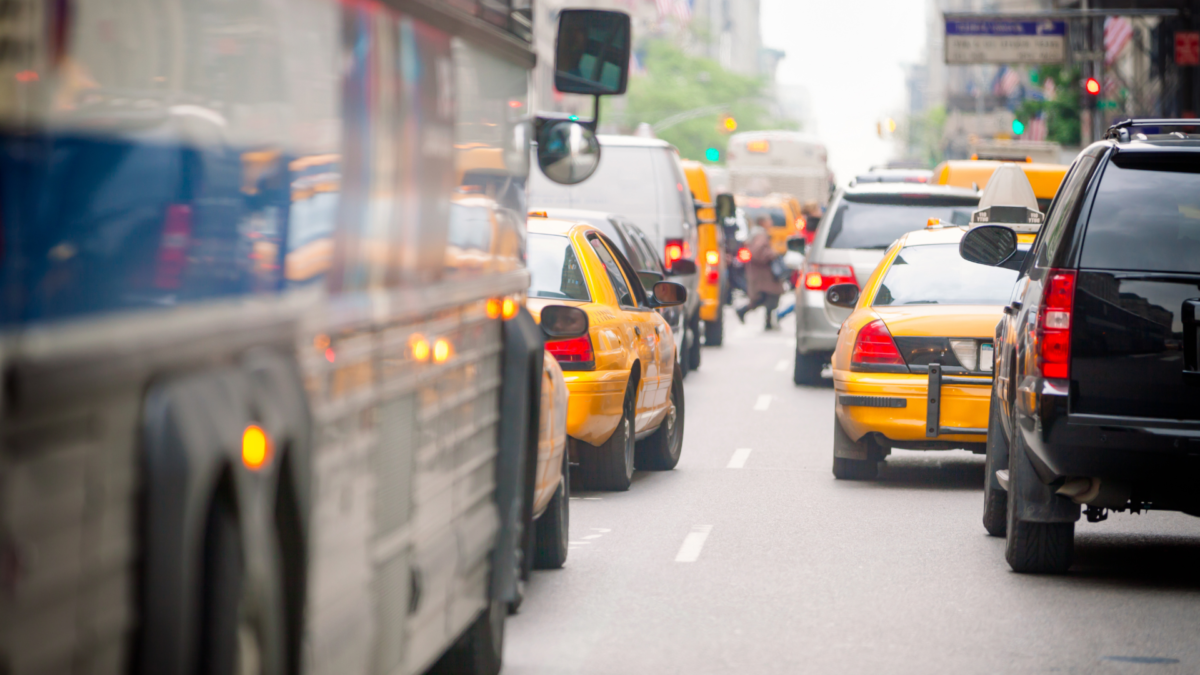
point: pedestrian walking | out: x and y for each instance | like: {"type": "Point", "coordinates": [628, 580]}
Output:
{"type": "Point", "coordinates": [762, 285]}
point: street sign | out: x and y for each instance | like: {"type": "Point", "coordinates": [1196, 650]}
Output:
{"type": "Point", "coordinates": [1187, 48]}
{"type": "Point", "coordinates": [1005, 41]}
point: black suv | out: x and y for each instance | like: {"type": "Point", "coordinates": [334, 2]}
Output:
{"type": "Point", "coordinates": [1096, 398]}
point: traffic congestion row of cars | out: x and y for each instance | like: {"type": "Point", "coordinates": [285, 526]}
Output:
{"type": "Point", "coordinates": [1048, 322]}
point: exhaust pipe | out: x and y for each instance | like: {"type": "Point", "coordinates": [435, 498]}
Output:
{"type": "Point", "coordinates": [1106, 494]}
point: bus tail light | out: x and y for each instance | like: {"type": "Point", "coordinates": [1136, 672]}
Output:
{"type": "Point", "coordinates": [577, 351]}
{"type": "Point", "coordinates": [821, 277]}
{"type": "Point", "coordinates": [874, 346]}
{"type": "Point", "coordinates": [1054, 324]}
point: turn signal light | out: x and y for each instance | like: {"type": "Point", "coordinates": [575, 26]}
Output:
{"type": "Point", "coordinates": [1054, 324]}
{"type": "Point", "coordinates": [874, 346]}
{"type": "Point", "coordinates": [419, 347]}
{"type": "Point", "coordinates": [441, 351]}
{"type": "Point", "coordinates": [256, 447]}
{"type": "Point", "coordinates": [508, 308]}
{"type": "Point", "coordinates": [494, 307]}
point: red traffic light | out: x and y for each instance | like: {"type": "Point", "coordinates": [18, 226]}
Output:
{"type": "Point", "coordinates": [1093, 86]}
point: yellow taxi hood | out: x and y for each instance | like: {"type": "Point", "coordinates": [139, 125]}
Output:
{"type": "Point", "coordinates": [978, 321]}
{"type": "Point", "coordinates": [535, 305]}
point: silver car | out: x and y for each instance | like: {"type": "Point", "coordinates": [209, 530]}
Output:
{"type": "Point", "coordinates": [860, 225]}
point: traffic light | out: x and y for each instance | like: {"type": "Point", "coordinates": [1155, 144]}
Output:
{"type": "Point", "coordinates": [1092, 86]}
{"type": "Point", "coordinates": [712, 155]}
{"type": "Point", "coordinates": [1018, 127]}
{"type": "Point", "coordinates": [891, 125]}
{"type": "Point", "coordinates": [728, 124]}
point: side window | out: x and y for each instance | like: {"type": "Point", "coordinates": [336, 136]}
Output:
{"type": "Point", "coordinates": [1063, 208]}
{"type": "Point", "coordinates": [625, 297]}
{"type": "Point", "coordinates": [649, 257]}
{"type": "Point", "coordinates": [628, 245]}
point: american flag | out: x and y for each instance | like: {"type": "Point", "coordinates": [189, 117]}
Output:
{"type": "Point", "coordinates": [1007, 81]}
{"type": "Point", "coordinates": [680, 9]}
{"type": "Point", "coordinates": [1036, 129]}
{"type": "Point", "coordinates": [1118, 31]}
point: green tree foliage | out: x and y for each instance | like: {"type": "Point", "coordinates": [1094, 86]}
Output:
{"type": "Point", "coordinates": [676, 82]}
{"type": "Point", "coordinates": [925, 136]}
{"type": "Point", "coordinates": [1062, 111]}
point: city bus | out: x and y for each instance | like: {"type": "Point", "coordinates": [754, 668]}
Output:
{"type": "Point", "coordinates": [786, 162]}
{"type": "Point", "coordinates": [269, 397]}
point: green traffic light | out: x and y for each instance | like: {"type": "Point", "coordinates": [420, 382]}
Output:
{"type": "Point", "coordinates": [1018, 127]}
{"type": "Point", "coordinates": [712, 155]}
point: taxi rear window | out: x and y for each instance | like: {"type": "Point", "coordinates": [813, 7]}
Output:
{"type": "Point", "coordinates": [935, 274]}
{"type": "Point", "coordinates": [554, 269]}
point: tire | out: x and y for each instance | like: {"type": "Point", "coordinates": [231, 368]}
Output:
{"type": "Point", "coordinates": [480, 650]}
{"type": "Point", "coordinates": [681, 360]}
{"type": "Point", "coordinates": [714, 331]}
{"type": "Point", "coordinates": [995, 499]}
{"type": "Point", "coordinates": [660, 450]}
{"type": "Point", "coordinates": [845, 468]}
{"type": "Point", "coordinates": [610, 466]}
{"type": "Point", "coordinates": [1033, 548]}
{"type": "Point", "coordinates": [693, 352]}
{"type": "Point", "coordinates": [552, 530]}
{"type": "Point", "coordinates": [241, 632]}
{"type": "Point", "coordinates": [807, 371]}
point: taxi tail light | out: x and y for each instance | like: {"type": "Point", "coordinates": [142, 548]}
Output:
{"type": "Point", "coordinates": [821, 277]}
{"type": "Point", "coordinates": [672, 251]}
{"type": "Point", "coordinates": [572, 350]}
{"type": "Point", "coordinates": [743, 255]}
{"type": "Point", "coordinates": [1054, 324]}
{"type": "Point", "coordinates": [874, 346]}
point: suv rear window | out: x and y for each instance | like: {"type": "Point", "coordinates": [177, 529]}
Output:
{"type": "Point", "coordinates": [871, 222]}
{"type": "Point", "coordinates": [1146, 216]}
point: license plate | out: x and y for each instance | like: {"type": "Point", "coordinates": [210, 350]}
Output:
{"type": "Point", "coordinates": [987, 357]}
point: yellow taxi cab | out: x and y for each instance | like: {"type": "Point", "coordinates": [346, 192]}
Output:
{"type": "Point", "coordinates": [626, 405]}
{"type": "Point", "coordinates": [711, 256]}
{"type": "Point", "coordinates": [1045, 178]}
{"type": "Point", "coordinates": [783, 213]}
{"type": "Point", "coordinates": [913, 364]}
{"type": "Point", "coordinates": [552, 487]}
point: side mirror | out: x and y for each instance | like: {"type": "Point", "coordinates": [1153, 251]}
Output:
{"type": "Point", "coordinates": [726, 208]}
{"type": "Point", "coordinates": [649, 278]}
{"type": "Point", "coordinates": [560, 322]}
{"type": "Point", "coordinates": [990, 245]}
{"type": "Point", "coordinates": [567, 152]}
{"type": "Point", "coordinates": [592, 56]}
{"type": "Point", "coordinates": [842, 295]}
{"type": "Point", "coordinates": [669, 294]}
{"type": "Point", "coordinates": [682, 267]}
{"type": "Point", "coordinates": [796, 244]}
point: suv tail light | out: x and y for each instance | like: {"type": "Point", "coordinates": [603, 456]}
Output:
{"type": "Point", "coordinates": [576, 351]}
{"type": "Point", "coordinates": [821, 277]}
{"type": "Point", "coordinates": [1054, 324]}
{"type": "Point", "coordinates": [874, 346]}
{"type": "Point", "coordinates": [672, 251]}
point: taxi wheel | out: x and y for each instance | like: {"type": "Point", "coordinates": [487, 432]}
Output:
{"type": "Point", "coordinates": [845, 468]}
{"type": "Point", "coordinates": [660, 451]}
{"type": "Point", "coordinates": [610, 466]}
{"type": "Point", "coordinates": [714, 331]}
{"type": "Point", "coordinates": [551, 530]}
{"type": "Point", "coordinates": [995, 499]}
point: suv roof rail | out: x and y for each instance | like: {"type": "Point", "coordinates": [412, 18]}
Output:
{"type": "Point", "coordinates": [1120, 131]}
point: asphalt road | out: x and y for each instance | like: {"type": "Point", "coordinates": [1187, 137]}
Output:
{"type": "Point", "coordinates": [750, 558]}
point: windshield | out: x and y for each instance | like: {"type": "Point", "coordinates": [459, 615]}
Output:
{"type": "Point", "coordinates": [873, 225]}
{"type": "Point", "coordinates": [554, 269]}
{"type": "Point", "coordinates": [1145, 219]}
{"type": "Point", "coordinates": [775, 215]}
{"type": "Point", "coordinates": [624, 183]}
{"type": "Point", "coordinates": [936, 274]}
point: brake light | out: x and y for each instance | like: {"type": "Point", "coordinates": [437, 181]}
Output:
{"type": "Point", "coordinates": [712, 257]}
{"type": "Point", "coordinates": [572, 350]}
{"type": "Point", "coordinates": [743, 255]}
{"type": "Point", "coordinates": [1054, 324]}
{"type": "Point", "coordinates": [874, 346]}
{"type": "Point", "coordinates": [672, 252]}
{"type": "Point", "coordinates": [821, 277]}
{"type": "Point", "coordinates": [173, 246]}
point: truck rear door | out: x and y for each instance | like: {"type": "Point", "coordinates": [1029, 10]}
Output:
{"type": "Point", "coordinates": [1133, 333]}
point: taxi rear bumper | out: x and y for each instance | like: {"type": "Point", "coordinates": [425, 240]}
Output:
{"type": "Point", "coordinates": [901, 408]}
{"type": "Point", "coordinates": [594, 406]}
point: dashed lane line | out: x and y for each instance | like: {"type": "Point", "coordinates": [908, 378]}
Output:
{"type": "Point", "coordinates": [763, 402]}
{"type": "Point", "coordinates": [782, 366]}
{"type": "Point", "coordinates": [739, 458]}
{"type": "Point", "coordinates": [693, 544]}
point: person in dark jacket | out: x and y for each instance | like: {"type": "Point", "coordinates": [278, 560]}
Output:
{"type": "Point", "coordinates": [761, 285]}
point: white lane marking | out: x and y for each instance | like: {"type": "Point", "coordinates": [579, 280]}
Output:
{"type": "Point", "coordinates": [603, 530]}
{"type": "Point", "coordinates": [591, 499]}
{"type": "Point", "coordinates": [690, 551]}
{"type": "Point", "coordinates": [739, 458]}
{"type": "Point", "coordinates": [782, 366]}
{"type": "Point", "coordinates": [763, 402]}
{"type": "Point", "coordinates": [593, 536]}
{"type": "Point", "coordinates": [579, 543]}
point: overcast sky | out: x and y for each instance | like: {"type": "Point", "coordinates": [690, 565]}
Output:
{"type": "Point", "coordinates": [849, 55]}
